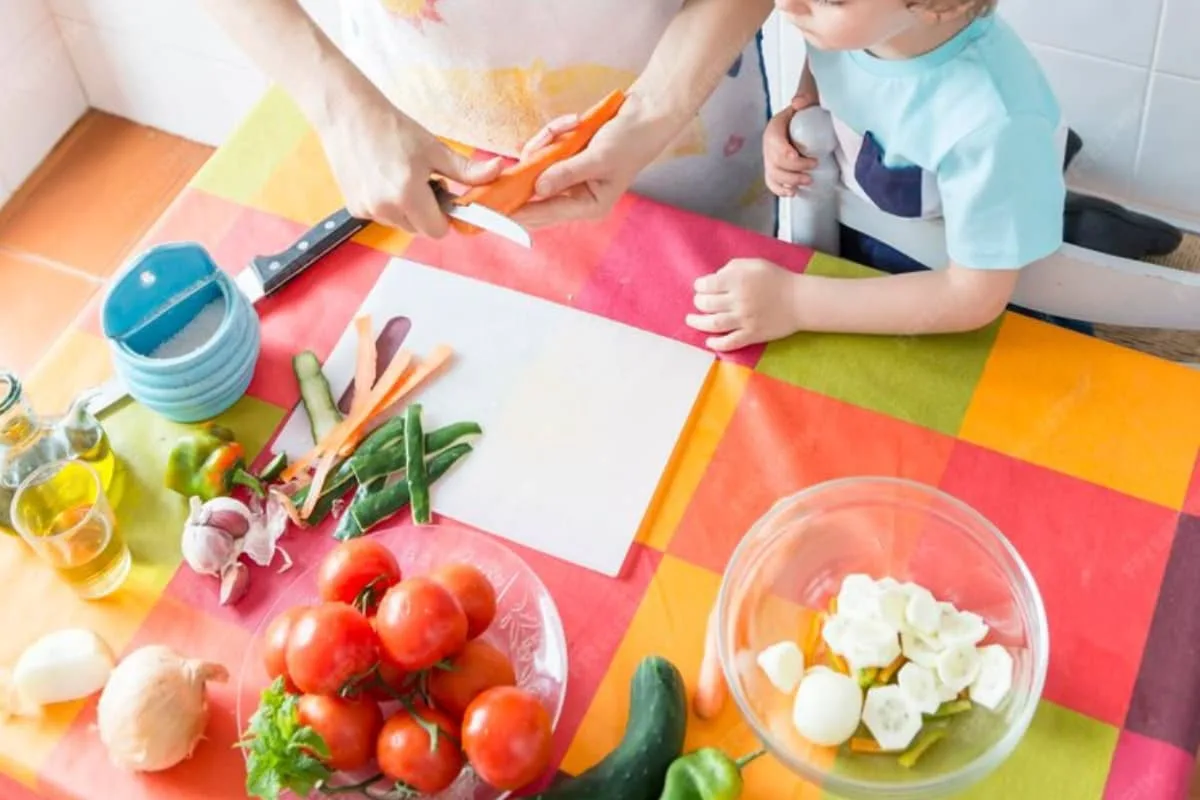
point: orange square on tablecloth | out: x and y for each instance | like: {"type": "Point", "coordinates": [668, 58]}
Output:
{"type": "Point", "coordinates": [671, 622]}
{"type": "Point", "coordinates": [707, 424]}
{"type": "Point", "coordinates": [1090, 409]}
{"type": "Point", "coordinates": [783, 439]}
{"type": "Point", "coordinates": [216, 768]}
{"type": "Point", "coordinates": [302, 186]}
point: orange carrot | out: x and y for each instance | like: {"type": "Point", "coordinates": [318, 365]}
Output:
{"type": "Point", "coordinates": [812, 639]}
{"type": "Point", "coordinates": [364, 370]}
{"type": "Point", "coordinates": [890, 670]}
{"type": "Point", "coordinates": [861, 744]}
{"type": "Point", "coordinates": [838, 663]}
{"type": "Point", "coordinates": [515, 185]}
{"type": "Point", "coordinates": [711, 690]}
{"type": "Point", "coordinates": [833, 606]}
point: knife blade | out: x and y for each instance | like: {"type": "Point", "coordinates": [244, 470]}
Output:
{"type": "Point", "coordinates": [480, 215]}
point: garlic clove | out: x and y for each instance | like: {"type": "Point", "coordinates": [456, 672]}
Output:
{"type": "Point", "coordinates": [207, 550]}
{"type": "Point", "coordinates": [235, 582]}
{"type": "Point", "coordinates": [260, 543]}
{"type": "Point", "coordinates": [231, 516]}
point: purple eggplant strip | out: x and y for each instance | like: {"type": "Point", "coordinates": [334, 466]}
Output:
{"type": "Point", "coordinates": [386, 346]}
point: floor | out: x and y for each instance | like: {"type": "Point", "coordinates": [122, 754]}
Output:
{"type": "Point", "coordinates": [74, 222]}
{"type": "Point", "coordinates": [76, 219]}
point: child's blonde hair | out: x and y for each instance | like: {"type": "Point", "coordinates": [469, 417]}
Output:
{"type": "Point", "coordinates": [973, 8]}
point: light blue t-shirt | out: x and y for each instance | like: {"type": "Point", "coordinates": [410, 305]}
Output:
{"type": "Point", "coordinates": [970, 132]}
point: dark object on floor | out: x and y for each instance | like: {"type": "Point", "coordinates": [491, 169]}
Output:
{"type": "Point", "coordinates": [1074, 145]}
{"type": "Point", "coordinates": [1104, 226]}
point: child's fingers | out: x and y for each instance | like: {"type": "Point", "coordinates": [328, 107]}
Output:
{"type": "Point", "coordinates": [712, 323]}
{"type": "Point", "coordinates": [713, 303]}
{"type": "Point", "coordinates": [780, 190]}
{"type": "Point", "coordinates": [713, 283]}
{"type": "Point", "coordinates": [735, 340]}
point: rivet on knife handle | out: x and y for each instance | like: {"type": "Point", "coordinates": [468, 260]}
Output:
{"type": "Point", "coordinates": [276, 270]}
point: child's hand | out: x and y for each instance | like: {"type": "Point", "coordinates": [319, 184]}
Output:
{"type": "Point", "coordinates": [786, 167]}
{"type": "Point", "coordinates": [749, 300]}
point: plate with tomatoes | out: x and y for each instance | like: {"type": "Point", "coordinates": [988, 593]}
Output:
{"type": "Point", "coordinates": [417, 661]}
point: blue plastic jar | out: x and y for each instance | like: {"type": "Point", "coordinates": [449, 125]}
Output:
{"type": "Point", "coordinates": [184, 339]}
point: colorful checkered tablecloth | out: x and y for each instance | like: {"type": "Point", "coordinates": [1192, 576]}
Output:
{"type": "Point", "coordinates": [1084, 454]}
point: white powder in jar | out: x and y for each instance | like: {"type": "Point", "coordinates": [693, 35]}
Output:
{"type": "Point", "coordinates": [194, 334]}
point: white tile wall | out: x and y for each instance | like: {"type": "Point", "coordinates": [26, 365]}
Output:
{"type": "Point", "coordinates": [1179, 49]}
{"type": "Point", "coordinates": [1168, 170]}
{"type": "Point", "coordinates": [1123, 30]}
{"type": "Point", "coordinates": [40, 95]}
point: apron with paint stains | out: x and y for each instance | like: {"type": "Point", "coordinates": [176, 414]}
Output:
{"type": "Point", "coordinates": [491, 73]}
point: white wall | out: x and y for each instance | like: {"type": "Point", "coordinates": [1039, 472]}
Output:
{"type": "Point", "coordinates": [1127, 72]}
{"type": "Point", "coordinates": [40, 96]}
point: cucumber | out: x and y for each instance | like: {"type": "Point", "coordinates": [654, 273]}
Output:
{"type": "Point", "coordinates": [637, 768]}
{"type": "Point", "coordinates": [318, 400]}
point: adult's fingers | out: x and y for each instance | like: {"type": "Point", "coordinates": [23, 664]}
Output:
{"type": "Point", "coordinates": [423, 211]}
{"type": "Point", "coordinates": [551, 131]}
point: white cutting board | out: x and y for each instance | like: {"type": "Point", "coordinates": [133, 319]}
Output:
{"type": "Point", "coordinates": [580, 414]}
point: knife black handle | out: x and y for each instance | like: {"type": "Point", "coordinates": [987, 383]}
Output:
{"type": "Point", "coordinates": [276, 270]}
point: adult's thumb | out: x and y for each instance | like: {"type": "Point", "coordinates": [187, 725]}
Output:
{"type": "Point", "coordinates": [560, 177]}
{"type": "Point", "coordinates": [468, 171]}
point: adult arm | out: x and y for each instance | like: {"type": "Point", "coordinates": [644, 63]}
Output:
{"type": "Point", "coordinates": [381, 158]}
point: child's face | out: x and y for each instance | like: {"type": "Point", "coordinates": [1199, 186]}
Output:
{"type": "Point", "coordinates": [851, 24]}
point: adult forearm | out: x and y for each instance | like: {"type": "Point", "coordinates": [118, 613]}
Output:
{"type": "Point", "coordinates": [292, 49]}
{"type": "Point", "coordinates": [695, 52]}
{"type": "Point", "coordinates": [942, 301]}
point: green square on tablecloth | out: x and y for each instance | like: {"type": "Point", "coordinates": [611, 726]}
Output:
{"type": "Point", "coordinates": [150, 517]}
{"type": "Point", "coordinates": [927, 380]}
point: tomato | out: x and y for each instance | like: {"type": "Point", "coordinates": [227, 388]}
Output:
{"type": "Point", "coordinates": [275, 640]}
{"type": "Point", "coordinates": [477, 668]}
{"type": "Point", "coordinates": [507, 738]}
{"type": "Point", "coordinates": [328, 646]}
{"type": "Point", "coordinates": [473, 591]}
{"type": "Point", "coordinates": [349, 728]}
{"type": "Point", "coordinates": [405, 752]}
{"type": "Point", "coordinates": [358, 572]}
{"type": "Point", "coordinates": [420, 623]}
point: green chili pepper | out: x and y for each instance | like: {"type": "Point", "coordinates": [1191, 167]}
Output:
{"type": "Point", "coordinates": [208, 463]}
{"type": "Point", "coordinates": [373, 504]}
{"type": "Point", "coordinates": [706, 774]}
{"type": "Point", "coordinates": [388, 460]}
{"type": "Point", "coordinates": [416, 472]}
{"type": "Point", "coordinates": [927, 739]}
{"type": "Point", "coordinates": [950, 708]}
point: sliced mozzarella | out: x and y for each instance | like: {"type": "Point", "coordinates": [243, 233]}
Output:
{"type": "Point", "coordinates": [920, 684]}
{"type": "Point", "coordinates": [961, 627]}
{"type": "Point", "coordinates": [858, 598]}
{"type": "Point", "coordinates": [887, 582]}
{"type": "Point", "coordinates": [834, 632]}
{"type": "Point", "coordinates": [870, 643]}
{"type": "Point", "coordinates": [995, 677]}
{"type": "Point", "coordinates": [783, 664]}
{"type": "Point", "coordinates": [827, 708]}
{"type": "Point", "coordinates": [923, 612]}
{"type": "Point", "coordinates": [919, 649]}
{"type": "Point", "coordinates": [891, 717]}
{"type": "Point", "coordinates": [958, 666]}
{"type": "Point", "coordinates": [946, 693]}
{"type": "Point", "coordinates": [893, 607]}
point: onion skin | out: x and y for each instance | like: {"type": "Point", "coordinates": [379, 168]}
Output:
{"type": "Point", "coordinates": [154, 708]}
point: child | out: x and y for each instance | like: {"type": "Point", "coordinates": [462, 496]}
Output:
{"type": "Point", "coordinates": [940, 111]}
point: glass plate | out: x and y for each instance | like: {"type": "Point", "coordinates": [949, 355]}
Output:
{"type": "Point", "coordinates": [527, 627]}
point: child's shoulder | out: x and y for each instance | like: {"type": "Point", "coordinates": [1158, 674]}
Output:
{"type": "Point", "coordinates": [996, 78]}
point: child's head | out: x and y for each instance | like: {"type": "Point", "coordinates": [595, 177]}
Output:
{"type": "Point", "coordinates": [863, 24]}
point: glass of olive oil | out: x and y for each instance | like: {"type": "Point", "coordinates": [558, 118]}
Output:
{"type": "Point", "coordinates": [61, 510]}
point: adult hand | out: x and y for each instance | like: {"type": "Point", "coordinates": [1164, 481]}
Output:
{"type": "Point", "coordinates": [383, 161]}
{"type": "Point", "coordinates": [588, 185]}
{"type": "Point", "coordinates": [787, 167]}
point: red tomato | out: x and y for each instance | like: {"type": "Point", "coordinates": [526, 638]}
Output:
{"type": "Point", "coordinates": [473, 591]}
{"type": "Point", "coordinates": [349, 728]}
{"type": "Point", "coordinates": [329, 645]}
{"type": "Point", "coordinates": [477, 668]}
{"type": "Point", "coordinates": [275, 640]}
{"type": "Point", "coordinates": [420, 623]}
{"type": "Point", "coordinates": [406, 753]}
{"type": "Point", "coordinates": [358, 572]}
{"type": "Point", "coordinates": [507, 738]}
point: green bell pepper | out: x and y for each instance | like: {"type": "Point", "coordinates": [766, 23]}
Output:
{"type": "Point", "coordinates": [706, 774]}
{"type": "Point", "coordinates": [209, 463]}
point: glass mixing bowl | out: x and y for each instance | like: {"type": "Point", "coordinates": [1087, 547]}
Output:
{"type": "Point", "coordinates": [794, 559]}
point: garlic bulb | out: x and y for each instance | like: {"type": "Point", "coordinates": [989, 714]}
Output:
{"type": "Point", "coordinates": [206, 547]}
{"type": "Point", "coordinates": [154, 708]}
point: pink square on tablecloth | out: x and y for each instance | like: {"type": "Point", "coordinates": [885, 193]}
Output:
{"type": "Point", "coordinates": [645, 278]}
{"type": "Point", "coordinates": [1147, 769]}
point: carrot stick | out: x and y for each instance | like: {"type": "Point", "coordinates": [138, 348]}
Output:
{"type": "Point", "coordinates": [515, 185]}
{"type": "Point", "coordinates": [839, 664]}
{"type": "Point", "coordinates": [711, 690]}
{"type": "Point", "coordinates": [861, 744]}
{"type": "Point", "coordinates": [833, 606]}
{"type": "Point", "coordinates": [812, 639]}
{"type": "Point", "coordinates": [364, 370]}
{"type": "Point", "coordinates": [890, 670]}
